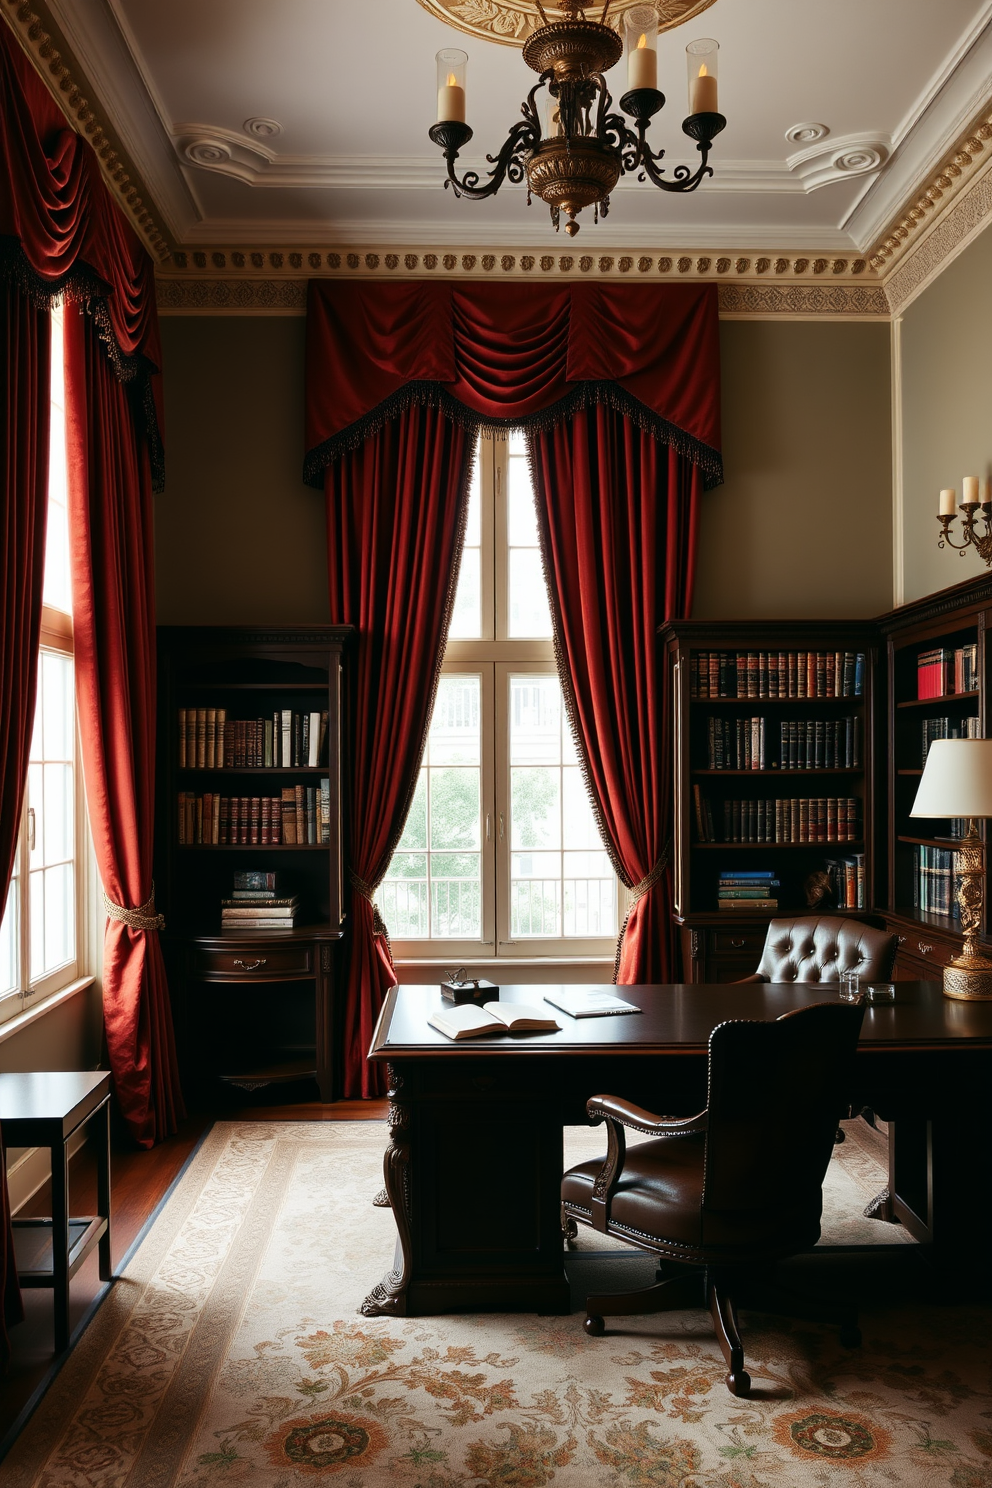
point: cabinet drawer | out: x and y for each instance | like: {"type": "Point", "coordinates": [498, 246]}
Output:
{"type": "Point", "coordinates": [925, 950]}
{"type": "Point", "coordinates": [254, 962]}
{"type": "Point", "coordinates": [736, 942]}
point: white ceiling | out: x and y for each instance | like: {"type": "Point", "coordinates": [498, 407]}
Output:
{"type": "Point", "coordinates": [351, 87]}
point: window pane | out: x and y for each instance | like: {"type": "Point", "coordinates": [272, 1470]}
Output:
{"type": "Point", "coordinates": [57, 705]}
{"type": "Point", "coordinates": [36, 924]}
{"type": "Point", "coordinates": [535, 907]}
{"type": "Point", "coordinates": [9, 943]}
{"type": "Point", "coordinates": [455, 809]}
{"type": "Point", "coordinates": [579, 824]}
{"type": "Point", "coordinates": [535, 720]}
{"type": "Point", "coordinates": [438, 892]}
{"type": "Point", "coordinates": [59, 920]}
{"type": "Point", "coordinates": [529, 612]}
{"type": "Point", "coordinates": [455, 736]}
{"type": "Point", "coordinates": [57, 588]}
{"type": "Point", "coordinates": [520, 515]}
{"type": "Point", "coordinates": [57, 824]}
{"type": "Point", "coordinates": [466, 612]}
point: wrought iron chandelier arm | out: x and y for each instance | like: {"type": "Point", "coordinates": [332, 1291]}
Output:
{"type": "Point", "coordinates": [684, 178]}
{"type": "Point", "coordinates": [508, 163]}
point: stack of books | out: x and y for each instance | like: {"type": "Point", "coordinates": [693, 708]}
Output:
{"type": "Point", "coordinates": [209, 740]}
{"type": "Point", "coordinates": [256, 903]}
{"type": "Point", "coordinates": [948, 728]}
{"type": "Point", "coordinates": [944, 670]}
{"type": "Point", "coordinates": [935, 881]}
{"type": "Point", "coordinates": [776, 674]}
{"type": "Point", "coordinates": [847, 876]}
{"type": "Point", "coordinates": [747, 890]}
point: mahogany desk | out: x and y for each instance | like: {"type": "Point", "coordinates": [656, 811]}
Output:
{"type": "Point", "coordinates": [474, 1164]}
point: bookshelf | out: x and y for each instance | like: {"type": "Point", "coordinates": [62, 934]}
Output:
{"type": "Point", "coordinates": [773, 733]}
{"type": "Point", "coordinates": [925, 639]}
{"type": "Point", "coordinates": [242, 786]}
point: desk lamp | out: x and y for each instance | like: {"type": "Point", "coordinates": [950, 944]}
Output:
{"type": "Point", "coordinates": [957, 782]}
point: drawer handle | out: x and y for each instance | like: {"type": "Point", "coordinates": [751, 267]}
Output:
{"type": "Point", "coordinates": [903, 939]}
{"type": "Point", "coordinates": [738, 945]}
{"type": "Point", "coordinates": [250, 965]}
{"type": "Point", "coordinates": [926, 949]}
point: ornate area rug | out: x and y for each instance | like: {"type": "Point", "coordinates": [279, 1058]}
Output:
{"type": "Point", "coordinates": [231, 1353]}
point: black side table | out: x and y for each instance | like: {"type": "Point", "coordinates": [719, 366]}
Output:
{"type": "Point", "coordinates": [44, 1110]}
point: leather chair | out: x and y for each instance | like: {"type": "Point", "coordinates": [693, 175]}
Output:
{"type": "Point", "coordinates": [733, 1190]}
{"type": "Point", "coordinates": [817, 948]}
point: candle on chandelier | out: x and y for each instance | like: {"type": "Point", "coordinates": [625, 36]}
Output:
{"type": "Point", "coordinates": [969, 491]}
{"type": "Point", "coordinates": [641, 27]}
{"type": "Point", "coordinates": [948, 503]}
{"type": "Point", "coordinates": [986, 492]}
{"type": "Point", "coordinates": [451, 65]}
{"type": "Point", "coordinates": [701, 61]}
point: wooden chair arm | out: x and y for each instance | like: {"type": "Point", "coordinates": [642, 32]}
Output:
{"type": "Point", "coordinates": [615, 1108]}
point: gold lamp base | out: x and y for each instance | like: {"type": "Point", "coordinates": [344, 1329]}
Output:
{"type": "Point", "coordinates": [969, 978]}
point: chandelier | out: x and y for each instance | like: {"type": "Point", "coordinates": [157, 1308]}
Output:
{"type": "Point", "coordinates": [574, 151]}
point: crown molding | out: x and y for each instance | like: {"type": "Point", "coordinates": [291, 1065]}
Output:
{"type": "Point", "coordinates": [942, 240]}
{"type": "Point", "coordinates": [273, 281]}
{"type": "Point", "coordinates": [58, 69]}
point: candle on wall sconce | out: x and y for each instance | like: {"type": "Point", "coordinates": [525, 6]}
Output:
{"type": "Point", "coordinates": [976, 500]}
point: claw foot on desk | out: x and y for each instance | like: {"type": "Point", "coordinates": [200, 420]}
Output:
{"type": "Point", "coordinates": [881, 1207]}
{"type": "Point", "coordinates": [387, 1299]}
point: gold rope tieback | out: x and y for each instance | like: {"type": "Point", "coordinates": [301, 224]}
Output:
{"type": "Point", "coordinates": [142, 918]}
{"type": "Point", "coordinates": [637, 892]}
{"type": "Point", "coordinates": [367, 891]}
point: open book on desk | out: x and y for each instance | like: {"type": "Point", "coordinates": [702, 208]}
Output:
{"type": "Point", "coordinates": [468, 1021]}
{"type": "Point", "coordinates": [588, 1002]}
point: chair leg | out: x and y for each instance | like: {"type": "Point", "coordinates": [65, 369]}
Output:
{"type": "Point", "coordinates": [666, 1296]}
{"type": "Point", "coordinates": [728, 1336]}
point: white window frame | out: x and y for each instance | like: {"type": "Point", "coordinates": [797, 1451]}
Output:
{"type": "Point", "coordinates": [495, 657]}
{"type": "Point", "coordinates": [56, 636]}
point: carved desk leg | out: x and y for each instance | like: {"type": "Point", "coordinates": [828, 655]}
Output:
{"type": "Point", "coordinates": [388, 1298]}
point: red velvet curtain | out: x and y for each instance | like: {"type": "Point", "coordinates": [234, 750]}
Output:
{"type": "Point", "coordinates": [618, 516]}
{"type": "Point", "coordinates": [618, 386]}
{"type": "Point", "coordinates": [395, 518]}
{"type": "Point", "coordinates": [24, 415]}
{"type": "Point", "coordinates": [112, 555]}
{"type": "Point", "coordinates": [62, 234]}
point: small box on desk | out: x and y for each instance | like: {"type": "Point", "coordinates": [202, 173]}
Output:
{"type": "Point", "coordinates": [478, 991]}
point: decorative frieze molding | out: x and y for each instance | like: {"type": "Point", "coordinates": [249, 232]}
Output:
{"type": "Point", "coordinates": [36, 33]}
{"type": "Point", "coordinates": [969, 157]}
{"type": "Point", "coordinates": [273, 281]}
{"type": "Point", "coordinates": [225, 262]}
{"type": "Point", "coordinates": [950, 234]}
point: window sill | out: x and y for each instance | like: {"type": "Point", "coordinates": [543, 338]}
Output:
{"type": "Point", "coordinates": [510, 970]}
{"type": "Point", "coordinates": [38, 1010]}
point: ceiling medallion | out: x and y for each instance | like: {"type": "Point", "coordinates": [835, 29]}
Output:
{"type": "Point", "coordinates": [511, 22]}
{"type": "Point", "coordinates": [570, 148]}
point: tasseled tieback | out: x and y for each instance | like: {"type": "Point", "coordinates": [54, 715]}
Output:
{"type": "Point", "coordinates": [637, 892]}
{"type": "Point", "coordinates": [367, 891]}
{"type": "Point", "coordinates": [142, 918]}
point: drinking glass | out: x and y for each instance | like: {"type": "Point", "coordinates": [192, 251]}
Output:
{"type": "Point", "coordinates": [850, 986]}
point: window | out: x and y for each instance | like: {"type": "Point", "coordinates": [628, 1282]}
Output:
{"type": "Point", "coordinates": [38, 952]}
{"type": "Point", "coordinates": [500, 854]}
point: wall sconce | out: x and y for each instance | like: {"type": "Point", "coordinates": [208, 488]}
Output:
{"type": "Point", "coordinates": [975, 494]}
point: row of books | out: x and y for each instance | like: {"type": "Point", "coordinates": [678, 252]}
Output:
{"type": "Point", "coordinates": [803, 744]}
{"type": "Point", "coordinates": [776, 674]}
{"type": "Point", "coordinates": [746, 890]}
{"type": "Point", "coordinates": [259, 912]}
{"type": "Point", "coordinates": [934, 881]}
{"type": "Point", "coordinates": [847, 879]}
{"type": "Point", "coordinates": [948, 728]}
{"type": "Point", "coordinates": [943, 670]}
{"type": "Point", "coordinates": [209, 740]}
{"type": "Point", "coordinates": [300, 815]}
{"type": "Point", "coordinates": [795, 819]}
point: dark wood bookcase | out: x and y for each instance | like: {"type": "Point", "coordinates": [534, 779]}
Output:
{"type": "Point", "coordinates": [723, 945]}
{"type": "Point", "coordinates": [951, 619]}
{"type": "Point", "coordinates": [252, 1007]}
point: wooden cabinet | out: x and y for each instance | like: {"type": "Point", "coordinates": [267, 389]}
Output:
{"type": "Point", "coordinates": [773, 732]}
{"type": "Point", "coordinates": [948, 632]}
{"type": "Point", "coordinates": [253, 1006]}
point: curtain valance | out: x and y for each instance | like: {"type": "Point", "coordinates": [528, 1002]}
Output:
{"type": "Point", "coordinates": [62, 234]}
{"type": "Point", "coordinates": [501, 355]}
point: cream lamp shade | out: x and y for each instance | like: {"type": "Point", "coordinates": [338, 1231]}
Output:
{"type": "Point", "coordinates": [957, 779]}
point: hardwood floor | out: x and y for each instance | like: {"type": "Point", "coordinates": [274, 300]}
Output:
{"type": "Point", "coordinates": [139, 1182]}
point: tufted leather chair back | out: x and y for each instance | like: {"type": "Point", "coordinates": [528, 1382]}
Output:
{"type": "Point", "coordinates": [763, 1174]}
{"type": "Point", "coordinates": [818, 949]}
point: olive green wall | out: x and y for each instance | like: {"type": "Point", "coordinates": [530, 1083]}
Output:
{"type": "Point", "coordinates": [802, 526]}
{"type": "Point", "coordinates": [240, 538]}
{"type": "Point", "coordinates": [946, 371]}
